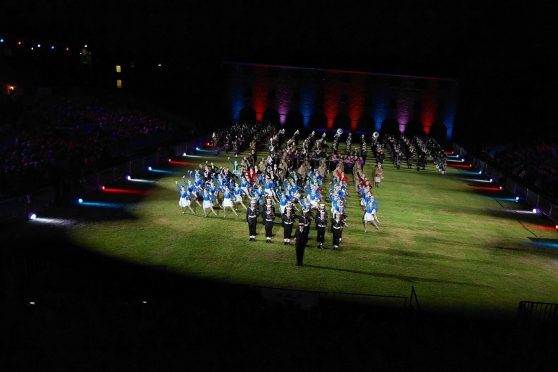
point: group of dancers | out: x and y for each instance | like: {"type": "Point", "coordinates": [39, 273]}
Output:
{"type": "Point", "coordinates": [290, 178]}
{"type": "Point", "coordinates": [299, 180]}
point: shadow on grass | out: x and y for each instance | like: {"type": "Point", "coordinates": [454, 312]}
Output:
{"type": "Point", "coordinates": [405, 278]}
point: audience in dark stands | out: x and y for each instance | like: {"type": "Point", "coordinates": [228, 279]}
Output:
{"type": "Point", "coordinates": [43, 140]}
{"type": "Point", "coordinates": [534, 163]}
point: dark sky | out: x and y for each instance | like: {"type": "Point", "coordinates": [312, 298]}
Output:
{"type": "Point", "coordinates": [503, 53]}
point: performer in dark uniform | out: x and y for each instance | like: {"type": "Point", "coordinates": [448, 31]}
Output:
{"type": "Point", "coordinates": [304, 220]}
{"type": "Point", "coordinates": [307, 226]}
{"type": "Point", "coordinates": [299, 244]}
{"type": "Point", "coordinates": [337, 229]}
{"type": "Point", "coordinates": [269, 217]}
{"type": "Point", "coordinates": [252, 219]}
{"type": "Point", "coordinates": [321, 224]}
{"type": "Point", "coordinates": [288, 220]}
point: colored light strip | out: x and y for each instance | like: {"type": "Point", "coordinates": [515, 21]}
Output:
{"type": "Point", "coordinates": [124, 191]}
{"type": "Point", "coordinates": [176, 162]}
{"type": "Point", "coordinates": [486, 188]}
{"type": "Point", "coordinates": [53, 221]}
{"type": "Point", "coordinates": [545, 244]}
{"type": "Point", "coordinates": [101, 204]}
{"type": "Point", "coordinates": [151, 169]}
{"type": "Point", "coordinates": [460, 165]}
{"type": "Point", "coordinates": [469, 173]}
{"type": "Point", "coordinates": [514, 200]}
{"type": "Point", "coordinates": [476, 180]}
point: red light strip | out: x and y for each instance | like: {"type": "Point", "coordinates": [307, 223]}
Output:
{"type": "Point", "coordinates": [125, 191]}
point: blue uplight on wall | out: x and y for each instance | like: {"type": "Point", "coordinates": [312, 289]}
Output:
{"type": "Point", "coordinates": [380, 111]}
{"type": "Point", "coordinates": [307, 102]}
{"type": "Point", "coordinates": [449, 116]}
{"type": "Point", "coordinates": [237, 99]}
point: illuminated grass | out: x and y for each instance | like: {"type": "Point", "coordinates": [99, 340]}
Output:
{"type": "Point", "coordinates": [455, 245]}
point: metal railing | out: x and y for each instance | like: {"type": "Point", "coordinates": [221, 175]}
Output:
{"type": "Point", "coordinates": [530, 312]}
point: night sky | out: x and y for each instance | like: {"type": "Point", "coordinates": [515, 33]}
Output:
{"type": "Point", "coordinates": [503, 54]}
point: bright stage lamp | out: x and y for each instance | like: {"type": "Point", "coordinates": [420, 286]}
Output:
{"type": "Point", "coordinates": [80, 200]}
{"type": "Point", "coordinates": [490, 180]}
{"type": "Point", "coordinates": [149, 168]}
{"type": "Point", "coordinates": [32, 216]}
{"type": "Point", "coordinates": [535, 210]}
{"type": "Point", "coordinates": [128, 178]}
{"type": "Point", "coordinates": [517, 198]}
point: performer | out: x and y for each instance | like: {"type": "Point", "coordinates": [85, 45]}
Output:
{"type": "Point", "coordinates": [305, 220]}
{"type": "Point", "coordinates": [370, 214]}
{"type": "Point", "coordinates": [227, 201]}
{"type": "Point", "coordinates": [300, 245]}
{"type": "Point", "coordinates": [208, 202]}
{"type": "Point", "coordinates": [321, 224]}
{"type": "Point", "coordinates": [237, 196]}
{"type": "Point", "coordinates": [252, 219]}
{"type": "Point", "coordinates": [378, 175]}
{"type": "Point", "coordinates": [269, 217]}
{"type": "Point", "coordinates": [337, 228]}
{"type": "Point", "coordinates": [288, 220]}
{"type": "Point", "coordinates": [184, 201]}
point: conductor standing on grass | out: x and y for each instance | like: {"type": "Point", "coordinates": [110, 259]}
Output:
{"type": "Point", "coordinates": [252, 219]}
{"type": "Point", "coordinates": [300, 244]}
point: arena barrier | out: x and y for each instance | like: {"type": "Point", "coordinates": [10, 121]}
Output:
{"type": "Point", "coordinates": [530, 197]}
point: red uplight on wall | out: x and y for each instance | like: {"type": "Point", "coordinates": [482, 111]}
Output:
{"type": "Point", "coordinates": [429, 107]}
{"type": "Point", "coordinates": [332, 100]}
{"type": "Point", "coordinates": [356, 101]}
{"type": "Point", "coordinates": [259, 98]}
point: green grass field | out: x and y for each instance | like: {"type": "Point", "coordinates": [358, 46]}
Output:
{"type": "Point", "coordinates": [459, 247]}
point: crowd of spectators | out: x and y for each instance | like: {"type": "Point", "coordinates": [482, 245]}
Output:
{"type": "Point", "coordinates": [534, 164]}
{"type": "Point", "coordinates": [42, 140]}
